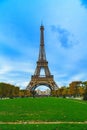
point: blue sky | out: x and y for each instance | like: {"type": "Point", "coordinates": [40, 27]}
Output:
{"type": "Point", "coordinates": [65, 23]}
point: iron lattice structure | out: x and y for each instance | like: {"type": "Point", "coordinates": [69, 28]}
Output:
{"type": "Point", "coordinates": [46, 79]}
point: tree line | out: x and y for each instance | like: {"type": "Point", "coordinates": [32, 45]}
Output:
{"type": "Point", "coordinates": [75, 89]}
{"type": "Point", "coordinates": [11, 91]}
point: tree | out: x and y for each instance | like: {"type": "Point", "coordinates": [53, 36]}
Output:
{"type": "Point", "coordinates": [81, 90]}
{"type": "Point", "coordinates": [74, 88]}
{"type": "Point", "coordinates": [54, 93]}
{"type": "Point", "coordinates": [64, 91]}
{"type": "Point", "coordinates": [8, 90]}
{"type": "Point", "coordinates": [85, 90]}
{"type": "Point", "coordinates": [33, 92]}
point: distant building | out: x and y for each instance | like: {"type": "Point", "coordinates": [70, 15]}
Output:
{"type": "Point", "coordinates": [45, 92]}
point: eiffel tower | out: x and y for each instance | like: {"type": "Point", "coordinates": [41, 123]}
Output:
{"type": "Point", "coordinates": [42, 64]}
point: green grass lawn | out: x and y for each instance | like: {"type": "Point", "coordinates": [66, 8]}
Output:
{"type": "Point", "coordinates": [43, 109]}
{"type": "Point", "coordinates": [44, 127]}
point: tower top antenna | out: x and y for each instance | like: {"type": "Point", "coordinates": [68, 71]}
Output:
{"type": "Point", "coordinates": [41, 22]}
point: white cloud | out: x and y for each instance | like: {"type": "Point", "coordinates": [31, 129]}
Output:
{"type": "Point", "coordinates": [22, 84]}
{"type": "Point", "coordinates": [4, 66]}
{"type": "Point", "coordinates": [78, 77]}
{"type": "Point", "coordinates": [5, 69]}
